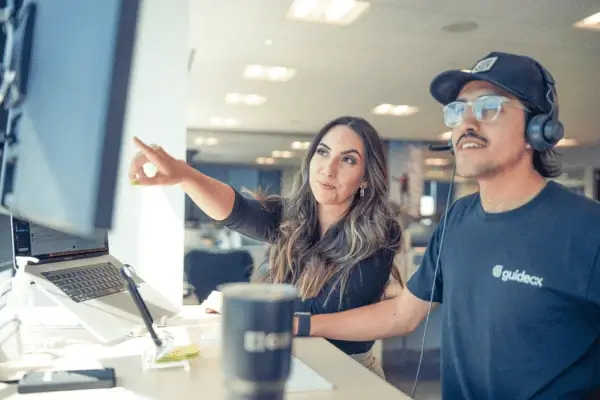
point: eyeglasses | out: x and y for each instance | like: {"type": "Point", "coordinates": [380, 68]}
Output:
{"type": "Point", "coordinates": [485, 109]}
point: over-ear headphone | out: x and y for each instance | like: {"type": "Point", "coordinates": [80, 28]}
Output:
{"type": "Point", "coordinates": [544, 131]}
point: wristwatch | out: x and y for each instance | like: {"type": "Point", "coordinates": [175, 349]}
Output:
{"type": "Point", "coordinates": [303, 324]}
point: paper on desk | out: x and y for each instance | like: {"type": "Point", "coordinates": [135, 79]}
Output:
{"type": "Point", "coordinates": [305, 379]}
{"type": "Point", "coordinates": [117, 393]}
{"type": "Point", "coordinates": [214, 301]}
{"type": "Point", "coordinates": [55, 317]}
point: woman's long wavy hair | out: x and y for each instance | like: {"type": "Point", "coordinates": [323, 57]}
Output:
{"type": "Point", "coordinates": [297, 255]}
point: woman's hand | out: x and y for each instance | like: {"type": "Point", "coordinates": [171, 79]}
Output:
{"type": "Point", "coordinates": [392, 289]}
{"type": "Point", "coordinates": [169, 170]}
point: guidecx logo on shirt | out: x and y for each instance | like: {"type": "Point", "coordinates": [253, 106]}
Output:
{"type": "Point", "coordinates": [516, 276]}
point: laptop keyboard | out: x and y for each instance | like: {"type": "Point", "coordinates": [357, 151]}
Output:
{"type": "Point", "coordinates": [88, 282]}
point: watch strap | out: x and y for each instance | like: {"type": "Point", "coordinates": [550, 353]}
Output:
{"type": "Point", "coordinates": [303, 324]}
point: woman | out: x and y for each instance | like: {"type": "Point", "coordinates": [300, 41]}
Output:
{"type": "Point", "coordinates": [334, 237]}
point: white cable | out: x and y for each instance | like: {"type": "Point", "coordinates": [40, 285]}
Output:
{"type": "Point", "coordinates": [19, 297]}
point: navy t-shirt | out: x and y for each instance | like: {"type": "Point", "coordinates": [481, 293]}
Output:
{"type": "Point", "coordinates": [520, 294]}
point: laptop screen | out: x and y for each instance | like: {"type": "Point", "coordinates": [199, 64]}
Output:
{"type": "Point", "coordinates": [48, 245]}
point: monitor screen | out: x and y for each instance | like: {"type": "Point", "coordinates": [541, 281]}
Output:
{"type": "Point", "coordinates": [63, 137]}
{"type": "Point", "coordinates": [49, 245]}
{"type": "Point", "coordinates": [6, 250]}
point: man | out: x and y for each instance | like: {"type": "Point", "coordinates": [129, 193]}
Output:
{"type": "Point", "coordinates": [518, 264]}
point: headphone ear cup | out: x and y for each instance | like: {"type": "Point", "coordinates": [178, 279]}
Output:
{"type": "Point", "coordinates": [542, 131]}
{"type": "Point", "coordinates": [554, 132]}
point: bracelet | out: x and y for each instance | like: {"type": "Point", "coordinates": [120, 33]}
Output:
{"type": "Point", "coordinates": [303, 324]}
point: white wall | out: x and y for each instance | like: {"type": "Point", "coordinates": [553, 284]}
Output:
{"type": "Point", "coordinates": [580, 157]}
{"type": "Point", "coordinates": [149, 222]}
{"type": "Point", "coordinates": [586, 159]}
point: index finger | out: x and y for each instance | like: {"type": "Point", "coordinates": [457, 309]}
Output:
{"type": "Point", "coordinates": [152, 155]}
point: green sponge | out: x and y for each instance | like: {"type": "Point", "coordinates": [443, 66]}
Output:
{"type": "Point", "coordinates": [180, 353]}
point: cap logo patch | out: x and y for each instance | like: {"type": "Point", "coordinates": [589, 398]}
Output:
{"type": "Point", "coordinates": [484, 65]}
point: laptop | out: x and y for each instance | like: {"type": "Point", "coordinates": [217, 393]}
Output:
{"type": "Point", "coordinates": [81, 275]}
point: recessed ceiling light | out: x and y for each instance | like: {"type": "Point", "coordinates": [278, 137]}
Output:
{"type": "Point", "coordinates": [437, 162]}
{"type": "Point", "coordinates": [300, 145]}
{"type": "Point", "coordinates": [265, 160]}
{"type": "Point", "coordinates": [446, 135]}
{"type": "Point", "coordinates": [591, 22]}
{"type": "Point", "coordinates": [334, 12]}
{"type": "Point", "coordinates": [266, 73]}
{"type": "Point", "coordinates": [396, 110]}
{"type": "Point", "coordinates": [246, 99]}
{"type": "Point", "coordinates": [202, 141]}
{"type": "Point", "coordinates": [268, 42]}
{"type": "Point", "coordinates": [282, 154]}
{"type": "Point", "coordinates": [565, 142]}
{"type": "Point", "coordinates": [220, 121]}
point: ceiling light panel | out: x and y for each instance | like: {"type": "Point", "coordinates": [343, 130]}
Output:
{"type": "Point", "coordinates": [446, 135]}
{"type": "Point", "coordinates": [244, 99]}
{"type": "Point", "coordinates": [333, 12]}
{"type": "Point", "coordinates": [265, 160]}
{"type": "Point", "coordinates": [221, 121]}
{"type": "Point", "coordinates": [566, 142]}
{"type": "Point", "coordinates": [268, 73]}
{"type": "Point", "coordinates": [300, 145]}
{"type": "Point", "coordinates": [202, 141]}
{"type": "Point", "coordinates": [282, 154]}
{"type": "Point", "coordinates": [395, 110]}
{"type": "Point", "coordinates": [592, 22]}
{"type": "Point", "coordinates": [437, 162]}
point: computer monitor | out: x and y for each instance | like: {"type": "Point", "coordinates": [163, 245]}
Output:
{"type": "Point", "coordinates": [6, 250]}
{"type": "Point", "coordinates": [50, 246]}
{"type": "Point", "coordinates": [67, 111]}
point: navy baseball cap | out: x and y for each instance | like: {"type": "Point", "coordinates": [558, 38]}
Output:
{"type": "Point", "coordinates": [521, 76]}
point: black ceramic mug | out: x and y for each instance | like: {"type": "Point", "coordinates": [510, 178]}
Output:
{"type": "Point", "coordinates": [256, 323]}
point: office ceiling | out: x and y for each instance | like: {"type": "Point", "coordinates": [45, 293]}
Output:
{"type": "Point", "coordinates": [389, 55]}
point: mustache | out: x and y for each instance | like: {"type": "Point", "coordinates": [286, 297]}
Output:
{"type": "Point", "coordinates": [470, 133]}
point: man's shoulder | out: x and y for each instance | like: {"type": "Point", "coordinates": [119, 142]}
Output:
{"type": "Point", "coordinates": [575, 206]}
{"type": "Point", "coordinates": [463, 207]}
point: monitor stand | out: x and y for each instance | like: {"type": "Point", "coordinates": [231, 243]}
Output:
{"type": "Point", "coordinates": [13, 362]}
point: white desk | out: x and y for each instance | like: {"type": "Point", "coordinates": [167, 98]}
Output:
{"type": "Point", "coordinates": [350, 379]}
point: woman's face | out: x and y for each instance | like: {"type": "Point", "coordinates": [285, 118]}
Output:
{"type": "Point", "coordinates": [337, 168]}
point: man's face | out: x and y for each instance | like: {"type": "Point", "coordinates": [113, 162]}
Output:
{"type": "Point", "coordinates": [489, 138]}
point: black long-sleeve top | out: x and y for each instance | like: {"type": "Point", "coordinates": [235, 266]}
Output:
{"type": "Point", "coordinates": [366, 282]}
